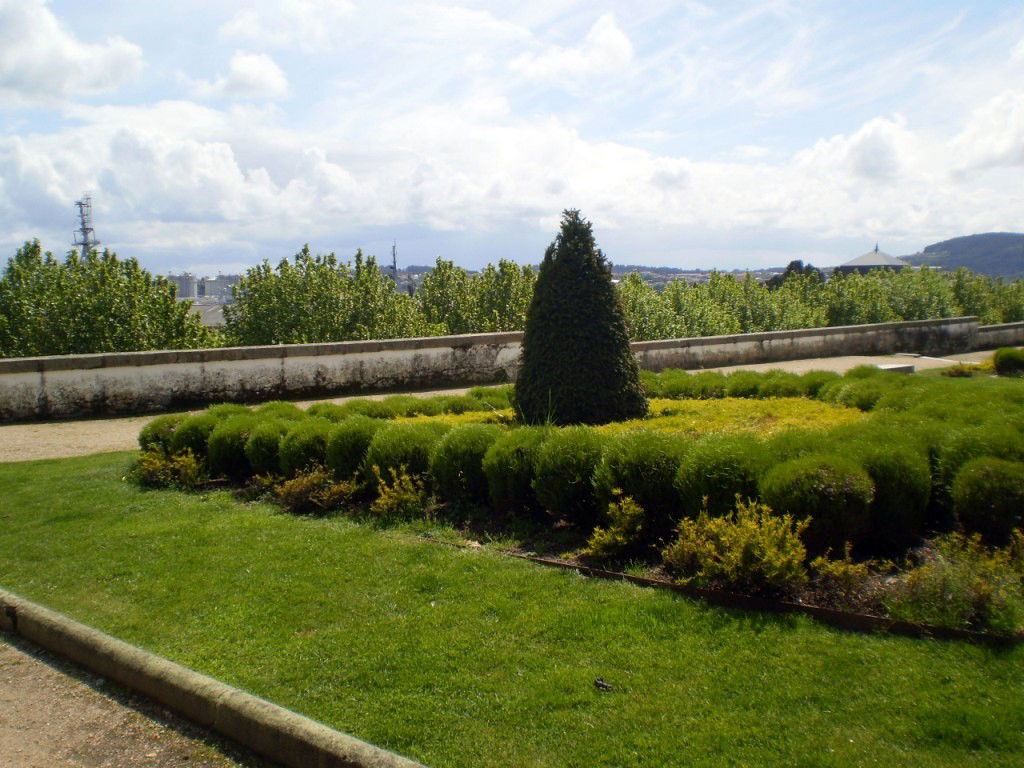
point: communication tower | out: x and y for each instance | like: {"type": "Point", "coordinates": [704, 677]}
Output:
{"type": "Point", "coordinates": [85, 235]}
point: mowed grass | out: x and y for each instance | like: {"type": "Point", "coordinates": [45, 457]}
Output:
{"type": "Point", "coordinates": [468, 658]}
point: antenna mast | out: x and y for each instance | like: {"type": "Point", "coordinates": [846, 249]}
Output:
{"type": "Point", "coordinates": [394, 261]}
{"type": "Point", "coordinates": [85, 235]}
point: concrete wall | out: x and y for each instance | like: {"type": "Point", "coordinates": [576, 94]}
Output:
{"type": "Point", "coordinates": [141, 382]}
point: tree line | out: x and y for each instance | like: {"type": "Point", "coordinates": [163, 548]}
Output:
{"type": "Point", "coordinates": [101, 303]}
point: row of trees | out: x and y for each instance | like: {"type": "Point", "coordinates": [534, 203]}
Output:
{"type": "Point", "coordinates": [101, 303]}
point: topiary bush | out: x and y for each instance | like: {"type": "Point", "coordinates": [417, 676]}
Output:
{"type": "Point", "coordinates": [715, 470]}
{"type": "Point", "coordinates": [403, 446]}
{"type": "Point", "coordinates": [992, 439]}
{"type": "Point", "coordinates": [304, 446]}
{"type": "Point", "coordinates": [262, 447]}
{"type": "Point", "coordinates": [347, 444]}
{"type": "Point", "coordinates": [492, 398]}
{"type": "Point", "coordinates": [329, 411]}
{"type": "Point", "coordinates": [1009, 361]}
{"type": "Point", "coordinates": [743, 383]}
{"type": "Point", "coordinates": [375, 409]}
{"type": "Point", "coordinates": [902, 483]}
{"type": "Point", "coordinates": [676, 384]}
{"type": "Point", "coordinates": [226, 410]}
{"type": "Point", "coordinates": [460, 404]}
{"type": "Point", "coordinates": [834, 492]}
{"type": "Point", "coordinates": [509, 468]}
{"type": "Point", "coordinates": [456, 464]}
{"type": "Point", "coordinates": [192, 434]}
{"type": "Point", "coordinates": [752, 551]}
{"type": "Point", "coordinates": [707, 385]}
{"type": "Point", "coordinates": [577, 366]}
{"type": "Point", "coordinates": [782, 384]}
{"type": "Point", "coordinates": [643, 466]}
{"type": "Point", "coordinates": [564, 474]}
{"type": "Point", "coordinates": [281, 409]}
{"type": "Point", "coordinates": [988, 498]}
{"type": "Point", "coordinates": [225, 448]}
{"type": "Point", "coordinates": [815, 380]}
{"type": "Point", "coordinates": [156, 435]}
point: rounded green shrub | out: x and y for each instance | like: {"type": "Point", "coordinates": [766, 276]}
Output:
{"type": "Point", "coordinates": [456, 464]}
{"type": "Point", "coordinates": [651, 383]}
{"type": "Point", "coordinates": [226, 410]}
{"type": "Point", "coordinates": [156, 435]}
{"type": "Point", "coordinates": [715, 470]}
{"type": "Point", "coordinates": [708, 385]}
{"type": "Point", "coordinates": [192, 434]}
{"type": "Point", "coordinates": [861, 393]}
{"type": "Point", "coordinates": [405, 405]}
{"type": "Point", "coordinates": [329, 411]}
{"type": "Point", "coordinates": [676, 384]}
{"type": "Point", "coordinates": [643, 466]}
{"type": "Point", "coordinates": [815, 380]}
{"type": "Point", "coordinates": [262, 447]}
{"type": "Point", "coordinates": [226, 446]}
{"type": "Point", "coordinates": [304, 446]}
{"type": "Point", "coordinates": [375, 409]}
{"type": "Point", "coordinates": [405, 445]}
{"type": "Point", "coordinates": [1009, 361]}
{"type": "Point", "coordinates": [509, 468]}
{"type": "Point", "coordinates": [281, 409]}
{"type": "Point", "coordinates": [743, 383]}
{"type": "Point", "coordinates": [492, 398]}
{"type": "Point", "coordinates": [988, 498]}
{"type": "Point", "coordinates": [564, 474]}
{"type": "Point", "coordinates": [348, 442]}
{"type": "Point", "coordinates": [782, 384]}
{"type": "Point", "coordinates": [835, 493]}
{"type": "Point", "coordinates": [902, 481]}
{"type": "Point", "coordinates": [460, 404]}
{"type": "Point", "coordinates": [794, 443]}
{"type": "Point", "coordinates": [992, 439]}
{"type": "Point", "coordinates": [866, 371]}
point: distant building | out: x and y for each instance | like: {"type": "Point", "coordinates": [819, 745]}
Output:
{"type": "Point", "coordinates": [188, 285]}
{"type": "Point", "coordinates": [213, 289]}
{"type": "Point", "coordinates": [875, 259]}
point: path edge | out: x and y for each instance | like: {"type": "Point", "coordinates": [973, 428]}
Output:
{"type": "Point", "coordinates": [258, 725]}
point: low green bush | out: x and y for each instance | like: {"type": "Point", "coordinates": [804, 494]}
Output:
{"type": "Point", "coordinates": [456, 463]}
{"type": "Point", "coordinates": [902, 484]}
{"type": "Point", "coordinates": [651, 382]}
{"type": "Point", "coordinates": [347, 444]}
{"type": "Point", "coordinates": [988, 498]}
{"type": "Point", "coordinates": [262, 447]}
{"type": "Point", "coordinates": [281, 409]}
{"type": "Point", "coordinates": [960, 446]}
{"type": "Point", "coordinates": [509, 468]}
{"type": "Point", "coordinates": [375, 409]}
{"type": "Point", "coordinates": [675, 383]}
{"type": "Point", "coordinates": [862, 393]}
{"type": "Point", "coordinates": [1009, 361]}
{"type": "Point", "coordinates": [156, 435]}
{"type": "Point", "coordinates": [782, 384]}
{"type": "Point", "coordinates": [835, 493]}
{"type": "Point", "coordinates": [158, 470]}
{"type": "Point", "coordinates": [794, 443]}
{"type": "Point", "coordinates": [329, 411]}
{"type": "Point", "coordinates": [227, 410]}
{"type": "Point", "coordinates": [304, 446]}
{"type": "Point", "coordinates": [192, 434]}
{"type": "Point", "coordinates": [814, 380]}
{"type": "Point", "coordinates": [460, 404]}
{"type": "Point", "coordinates": [225, 448]}
{"type": "Point", "coordinates": [405, 446]}
{"type": "Point", "coordinates": [958, 582]}
{"type": "Point", "coordinates": [708, 385]}
{"type": "Point", "coordinates": [752, 551]}
{"type": "Point", "coordinates": [313, 492]}
{"type": "Point", "coordinates": [564, 474]}
{"type": "Point", "coordinates": [400, 496]}
{"type": "Point", "coordinates": [643, 466]}
{"type": "Point", "coordinates": [716, 470]}
{"type": "Point", "coordinates": [743, 383]}
{"type": "Point", "coordinates": [623, 536]}
{"type": "Point", "coordinates": [492, 398]}
{"type": "Point", "coordinates": [866, 371]}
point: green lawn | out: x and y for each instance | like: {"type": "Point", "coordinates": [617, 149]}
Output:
{"type": "Point", "coordinates": [466, 658]}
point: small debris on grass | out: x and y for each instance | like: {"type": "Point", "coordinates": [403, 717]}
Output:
{"type": "Point", "coordinates": [603, 685]}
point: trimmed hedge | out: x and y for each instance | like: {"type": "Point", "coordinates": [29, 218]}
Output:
{"type": "Point", "coordinates": [156, 435]}
{"type": "Point", "coordinates": [717, 469]}
{"type": "Point", "coordinates": [643, 466]}
{"type": "Point", "coordinates": [304, 446]}
{"type": "Point", "coordinates": [329, 411]}
{"type": "Point", "coordinates": [509, 468]}
{"type": "Point", "coordinates": [1009, 361]}
{"type": "Point", "coordinates": [564, 474]}
{"type": "Point", "coordinates": [261, 449]}
{"type": "Point", "coordinates": [988, 497]}
{"type": "Point", "coordinates": [225, 448]}
{"type": "Point", "coordinates": [834, 492]}
{"type": "Point", "coordinates": [347, 445]}
{"type": "Point", "coordinates": [456, 464]}
{"type": "Point", "coordinates": [192, 434]}
{"type": "Point", "coordinates": [405, 445]}
{"type": "Point", "coordinates": [902, 490]}
{"type": "Point", "coordinates": [281, 409]}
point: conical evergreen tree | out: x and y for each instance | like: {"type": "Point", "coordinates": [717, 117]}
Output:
{"type": "Point", "coordinates": [576, 365]}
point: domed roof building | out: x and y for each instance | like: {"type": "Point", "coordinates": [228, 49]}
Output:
{"type": "Point", "coordinates": [875, 259]}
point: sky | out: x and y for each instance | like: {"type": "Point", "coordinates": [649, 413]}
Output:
{"type": "Point", "coordinates": [213, 135]}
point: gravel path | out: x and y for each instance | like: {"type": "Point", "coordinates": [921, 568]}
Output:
{"type": "Point", "coordinates": [54, 715]}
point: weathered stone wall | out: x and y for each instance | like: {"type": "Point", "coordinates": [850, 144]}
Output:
{"type": "Point", "coordinates": [141, 382]}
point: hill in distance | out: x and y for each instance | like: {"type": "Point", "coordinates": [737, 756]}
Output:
{"type": "Point", "coordinates": [997, 254]}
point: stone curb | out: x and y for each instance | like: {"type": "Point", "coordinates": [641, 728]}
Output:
{"type": "Point", "coordinates": [264, 728]}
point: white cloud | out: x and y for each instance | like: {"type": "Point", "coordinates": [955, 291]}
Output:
{"type": "Point", "coordinates": [606, 48]}
{"type": "Point", "coordinates": [993, 136]}
{"type": "Point", "coordinates": [250, 76]}
{"type": "Point", "coordinates": [40, 60]}
{"type": "Point", "coordinates": [306, 24]}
